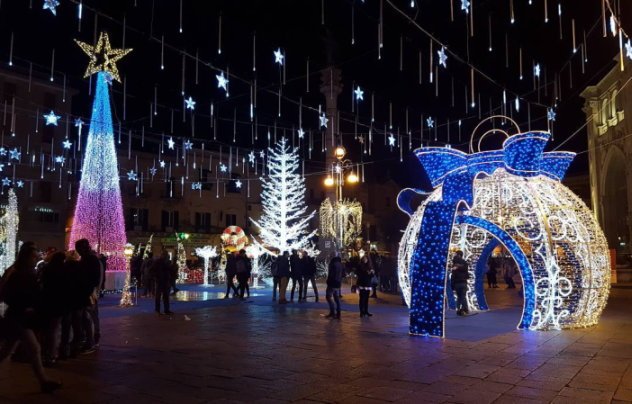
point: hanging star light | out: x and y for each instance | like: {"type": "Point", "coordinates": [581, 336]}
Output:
{"type": "Point", "coordinates": [188, 145]}
{"type": "Point", "coordinates": [196, 186]}
{"type": "Point", "coordinates": [132, 176]}
{"type": "Point", "coordinates": [536, 70]}
{"type": "Point", "coordinates": [67, 144]}
{"type": "Point", "coordinates": [301, 133]}
{"type": "Point", "coordinates": [628, 49]}
{"type": "Point", "coordinates": [323, 120]}
{"type": "Point", "coordinates": [14, 154]}
{"type": "Point", "coordinates": [78, 123]}
{"type": "Point", "coordinates": [190, 103]}
{"type": "Point", "coordinates": [162, 164]}
{"type": "Point", "coordinates": [442, 57]}
{"type": "Point", "coordinates": [278, 56]}
{"type": "Point", "coordinates": [153, 171]}
{"type": "Point", "coordinates": [223, 168]}
{"type": "Point", "coordinates": [51, 118]}
{"type": "Point", "coordinates": [222, 82]}
{"type": "Point", "coordinates": [262, 154]}
{"type": "Point", "coordinates": [430, 122]}
{"type": "Point", "coordinates": [238, 184]}
{"type": "Point", "coordinates": [391, 140]}
{"type": "Point", "coordinates": [550, 114]}
{"type": "Point", "coordinates": [51, 5]}
{"type": "Point", "coordinates": [60, 160]}
{"type": "Point", "coordinates": [359, 94]}
{"type": "Point", "coordinates": [251, 157]}
{"type": "Point", "coordinates": [465, 6]}
{"type": "Point", "coordinates": [20, 184]}
{"type": "Point", "coordinates": [170, 143]}
{"type": "Point", "coordinates": [6, 182]}
{"type": "Point", "coordinates": [3, 151]}
{"type": "Point", "coordinates": [1, 167]}
{"type": "Point", "coordinates": [103, 57]}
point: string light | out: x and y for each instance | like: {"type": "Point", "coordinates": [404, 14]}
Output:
{"type": "Point", "coordinates": [99, 212]}
{"type": "Point", "coordinates": [206, 253]}
{"type": "Point", "coordinates": [9, 223]}
{"type": "Point", "coordinates": [102, 57]}
{"type": "Point", "coordinates": [341, 220]}
{"type": "Point", "coordinates": [284, 221]}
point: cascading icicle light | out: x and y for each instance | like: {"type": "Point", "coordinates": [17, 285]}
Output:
{"type": "Point", "coordinates": [511, 197]}
{"type": "Point", "coordinates": [99, 211]}
{"type": "Point", "coordinates": [9, 223]}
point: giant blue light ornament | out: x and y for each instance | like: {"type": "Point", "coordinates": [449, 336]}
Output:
{"type": "Point", "coordinates": [511, 197]}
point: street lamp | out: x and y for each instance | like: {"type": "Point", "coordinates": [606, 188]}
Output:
{"type": "Point", "coordinates": [126, 298]}
{"type": "Point", "coordinates": [341, 219]}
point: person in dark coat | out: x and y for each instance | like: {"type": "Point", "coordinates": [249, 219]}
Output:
{"type": "Point", "coordinates": [163, 274]}
{"type": "Point", "coordinates": [492, 271]}
{"type": "Point", "coordinates": [55, 304]}
{"type": "Point", "coordinates": [243, 268]}
{"type": "Point", "coordinates": [275, 277]}
{"type": "Point", "coordinates": [458, 281]}
{"type": "Point", "coordinates": [146, 273]}
{"type": "Point", "coordinates": [283, 272]}
{"type": "Point", "coordinates": [72, 320]}
{"type": "Point", "coordinates": [309, 275]}
{"type": "Point", "coordinates": [20, 291]}
{"type": "Point", "coordinates": [231, 271]}
{"type": "Point", "coordinates": [175, 271]}
{"type": "Point", "coordinates": [334, 282]}
{"type": "Point", "coordinates": [135, 268]}
{"type": "Point", "coordinates": [365, 273]}
{"type": "Point", "coordinates": [296, 274]}
{"type": "Point", "coordinates": [90, 270]}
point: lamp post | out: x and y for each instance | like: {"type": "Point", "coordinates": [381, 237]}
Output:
{"type": "Point", "coordinates": [342, 218]}
{"type": "Point", "coordinates": [126, 298]}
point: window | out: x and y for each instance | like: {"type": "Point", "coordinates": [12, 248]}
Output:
{"type": "Point", "coordinates": [170, 220]}
{"type": "Point", "coordinates": [202, 222]}
{"type": "Point", "coordinates": [203, 176]}
{"type": "Point", "coordinates": [45, 215]}
{"type": "Point", "coordinates": [8, 92]}
{"type": "Point", "coordinates": [231, 220]}
{"type": "Point", "coordinates": [137, 219]}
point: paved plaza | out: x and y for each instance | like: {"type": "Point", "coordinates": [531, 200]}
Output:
{"type": "Point", "coordinates": [216, 350]}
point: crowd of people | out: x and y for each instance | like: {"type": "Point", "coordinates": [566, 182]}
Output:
{"type": "Point", "coordinates": [238, 266]}
{"type": "Point", "coordinates": [53, 308]}
{"type": "Point", "coordinates": [156, 277]}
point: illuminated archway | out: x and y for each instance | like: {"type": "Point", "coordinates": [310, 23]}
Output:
{"type": "Point", "coordinates": [514, 196]}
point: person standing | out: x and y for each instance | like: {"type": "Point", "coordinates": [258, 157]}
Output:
{"type": "Point", "coordinates": [231, 271]}
{"type": "Point", "coordinates": [146, 273]}
{"type": "Point", "coordinates": [20, 291]}
{"type": "Point", "coordinates": [90, 270]}
{"type": "Point", "coordinates": [163, 274]}
{"type": "Point", "coordinates": [275, 277]}
{"type": "Point", "coordinates": [55, 305]}
{"type": "Point", "coordinates": [492, 271]}
{"type": "Point", "coordinates": [243, 269]}
{"type": "Point", "coordinates": [365, 274]}
{"type": "Point", "coordinates": [283, 272]}
{"type": "Point", "coordinates": [309, 275]}
{"type": "Point", "coordinates": [76, 303]}
{"type": "Point", "coordinates": [460, 275]}
{"type": "Point", "coordinates": [334, 280]}
{"type": "Point", "coordinates": [175, 270]}
{"type": "Point", "coordinates": [296, 274]}
{"type": "Point", "coordinates": [510, 272]}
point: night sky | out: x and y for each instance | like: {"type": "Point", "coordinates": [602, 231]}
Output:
{"type": "Point", "coordinates": [296, 27]}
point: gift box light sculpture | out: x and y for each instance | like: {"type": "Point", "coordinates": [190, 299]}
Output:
{"type": "Point", "coordinates": [511, 197]}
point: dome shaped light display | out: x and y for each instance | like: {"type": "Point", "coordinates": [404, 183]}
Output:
{"type": "Point", "coordinates": [511, 197]}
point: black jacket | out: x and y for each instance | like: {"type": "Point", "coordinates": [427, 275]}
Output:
{"type": "Point", "coordinates": [364, 273]}
{"type": "Point", "coordinates": [334, 273]}
{"type": "Point", "coordinates": [460, 273]}
{"type": "Point", "coordinates": [283, 266]}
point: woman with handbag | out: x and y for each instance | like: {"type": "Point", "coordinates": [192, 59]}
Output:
{"type": "Point", "coordinates": [20, 291]}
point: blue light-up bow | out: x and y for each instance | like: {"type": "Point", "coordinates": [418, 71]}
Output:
{"type": "Point", "coordinates": [522, 154]}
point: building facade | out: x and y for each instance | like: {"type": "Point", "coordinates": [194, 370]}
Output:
{"type": "Point", "coordinates": [608, 108]}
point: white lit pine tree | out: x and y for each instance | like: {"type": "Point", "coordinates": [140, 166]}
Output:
{"type": "Point", "coordinates": [284, 223]}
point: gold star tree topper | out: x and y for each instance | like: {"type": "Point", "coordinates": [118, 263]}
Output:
{"type": "Point", "coordinates": [102, 56]}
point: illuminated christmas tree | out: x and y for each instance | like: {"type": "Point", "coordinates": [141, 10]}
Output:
{"type": "Point", "coordinates": [284, 223]}
{"type": "Point", "coordinates": [99, 211]}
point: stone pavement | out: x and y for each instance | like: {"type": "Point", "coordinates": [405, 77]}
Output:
{"type": "Point", "coordinates": [232, 351]}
